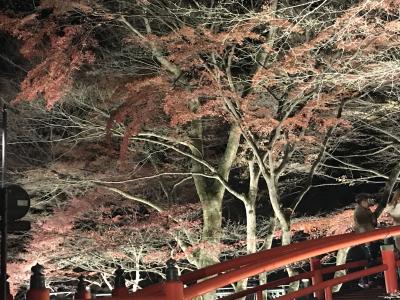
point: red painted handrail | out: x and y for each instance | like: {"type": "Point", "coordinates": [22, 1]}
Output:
{"type": "Point", "coordinates": [300, 253]}
{"type": "Point", "coordinates": [334, 281]}
{"type": "Point", "coordinates": [287, 280]}
{"type": "Point", "coordinates": [241, 261]}
{"type": "Point", "coordinates": [349, 265]}
{"type": "Point", "coordinates": [251, 265]}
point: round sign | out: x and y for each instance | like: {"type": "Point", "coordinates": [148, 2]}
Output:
{"type": "Point", "coordinates": [18, 202]}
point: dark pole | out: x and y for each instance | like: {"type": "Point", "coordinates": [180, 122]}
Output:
{"type": "Point", "coordinates": [3, 272]}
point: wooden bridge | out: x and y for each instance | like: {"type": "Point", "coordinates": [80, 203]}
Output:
{"type": "Point", "coordinates": [196, 283]}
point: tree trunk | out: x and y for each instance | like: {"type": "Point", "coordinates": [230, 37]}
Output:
{"type": "Point", "coordinates": [251, 238]}
{"type": "Point", "coordinates": [284, 222]}
{"type": "Point", "coordinates": [251, 224]}
{"type": "Point", "coordinates": [341, 257]}
{"type": "Point", "coordinates": [208, 253]}
{"type": "Point", "coordinates": [212, 222]}
{"type": "Point", "coordinates": [390, 183]}
{"type": "Point", "coordinates": [263, 277]}
{"type": "Point", "coordinates": [211, 195]}
{"type": "Point", "coordinates": [274, 198]}
{"type": "Point", "coordinates": [286, 240]}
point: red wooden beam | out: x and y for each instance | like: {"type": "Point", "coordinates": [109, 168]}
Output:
{"type": "Point", "coordinates": [349, 265]}
{"type": "Point", "coordinates": [332, 282]}
{"type": "Point", "coordinates": [236, 263]}
{"type": "Point", "coordinates": [388, 258]}
{"type": "Point", "coordinates": [268, 285]}
{"type": "Point", "coordinates": [301, 251]}
{"type": "Point", "coordinates": [316, 267]}
{"type": "Point", "coordinates": [287, 280]}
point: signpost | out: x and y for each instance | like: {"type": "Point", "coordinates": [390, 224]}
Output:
{"type": "Point", "coordinates": [14, 204]}
{"type": "Point", "coordinates": [4, 202]}
{"type": "Point", "coordinates": [18, 202]}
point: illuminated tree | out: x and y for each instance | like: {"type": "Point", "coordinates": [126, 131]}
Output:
{"type": "Point", "coordinates": [225, 94]}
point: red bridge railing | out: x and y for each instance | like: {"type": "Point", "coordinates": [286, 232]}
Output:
{"type": "Point", "coordinates": [209, 279]}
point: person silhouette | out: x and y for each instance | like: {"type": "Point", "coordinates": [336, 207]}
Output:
{"type": "Point", "coordinates": [365, 221]}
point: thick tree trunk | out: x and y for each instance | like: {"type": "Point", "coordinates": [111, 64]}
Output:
{"type": "Point", "coordinates": [208, 253]}
{"type": "Point", "coordinates": [211, 195]}
{"type": "Point", "coordinates": [211, 236]}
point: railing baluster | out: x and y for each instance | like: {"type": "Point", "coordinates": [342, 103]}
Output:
{"type": "Point", "coordinates": [315, 264]}
{"type": "Point", "coordinates": [37, 290]}
{"type": "Point", "coordinates": [173, 287]}
{"type": "Point", "coordinates": [388, 258]}
{"type": "Point", "coordinates": [328, 293]}
{"type": "Point", "coordinates": [82, 292]}
{"type": "Point", "coordinates": [120, 288]}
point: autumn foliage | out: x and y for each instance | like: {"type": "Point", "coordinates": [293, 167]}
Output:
{"type": "Point", "coordinates": [57, 49]}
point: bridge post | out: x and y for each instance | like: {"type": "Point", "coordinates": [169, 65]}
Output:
{"type": "Point", "coordinates": [328, 293]}
{"type": "Point", "coordinates": [82, 292]}
{"type": "Point", "coordinates": [173, 287]}
{"type": "Point", "coordinates": [120, 288]}
{"type": "Point", "coordinates": [315, 265]}
{"type": "Point", "coordinates": [388, 258]}
{"type": "Point", "coordinates": [37, 289]}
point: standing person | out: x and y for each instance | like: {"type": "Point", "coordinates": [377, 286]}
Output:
{"type": "Point", "coordinates": [393, 209]}
{"type": "Point", "coordinates": [364, 221]}
{"type": "Point", "coordinates": [364, 218]}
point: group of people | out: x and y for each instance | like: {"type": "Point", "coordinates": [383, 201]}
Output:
{"type": "Point", "coordinates": [365, 220]}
